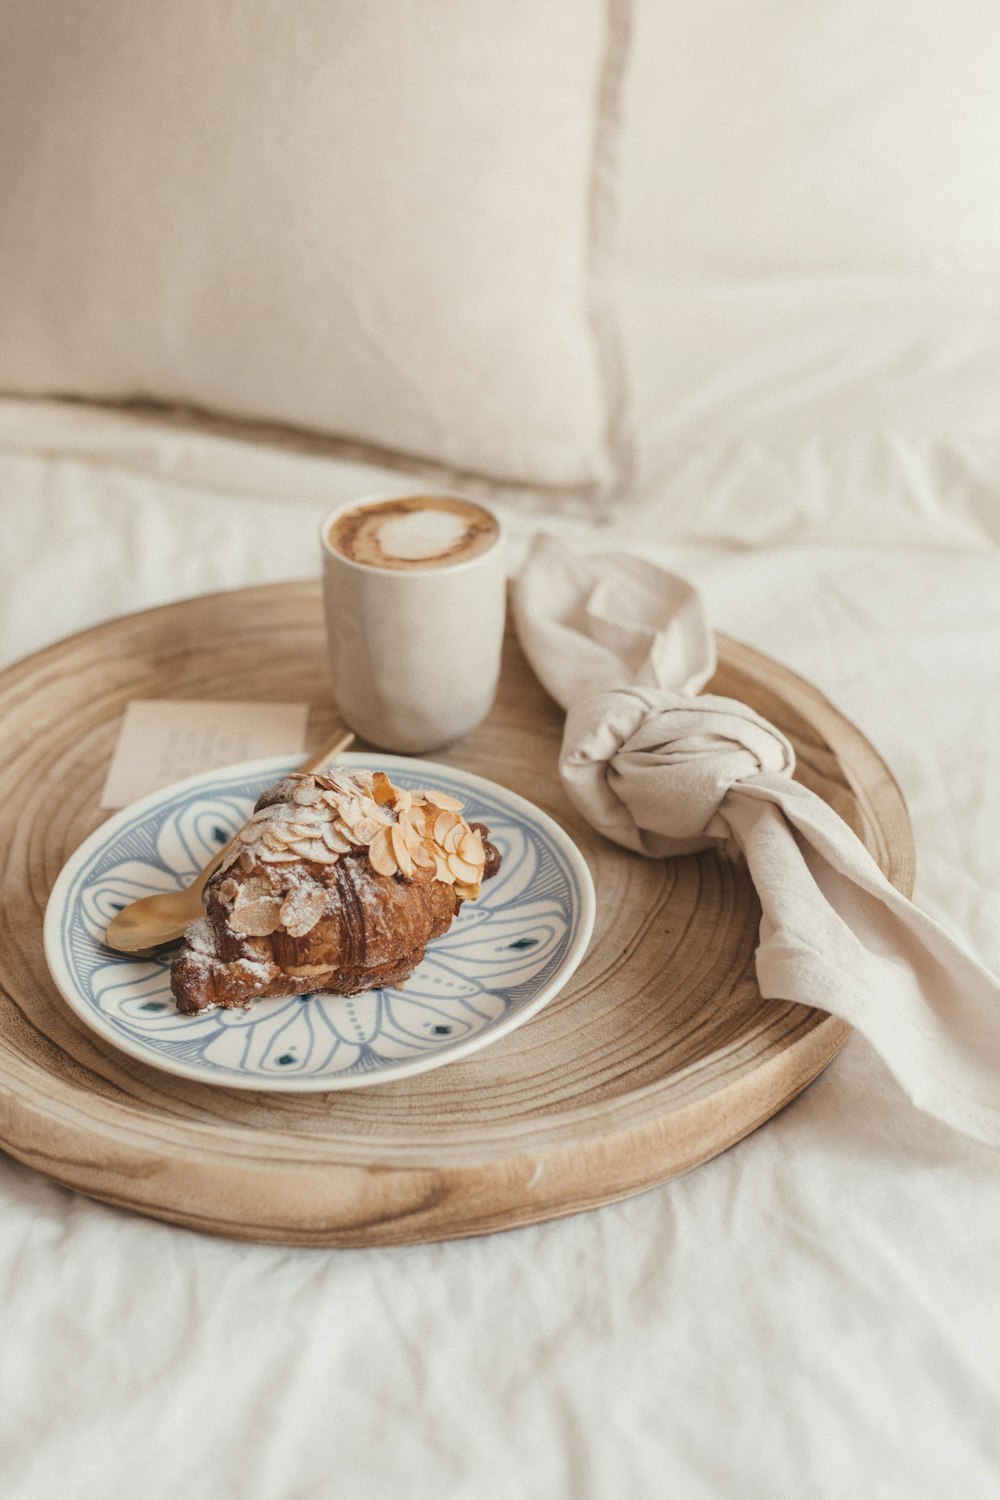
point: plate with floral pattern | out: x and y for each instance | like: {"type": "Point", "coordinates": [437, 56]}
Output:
{"type": "Point", "coordinates": [504, 957]}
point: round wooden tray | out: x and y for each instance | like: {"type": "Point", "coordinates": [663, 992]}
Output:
{"type": "Point", "coordinates": [659, 1054]}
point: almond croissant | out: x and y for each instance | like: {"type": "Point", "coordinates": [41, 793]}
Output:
{"type": "Point", "coordinates": [337, 882]}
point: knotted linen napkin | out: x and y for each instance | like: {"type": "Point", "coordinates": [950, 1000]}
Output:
{"type": "Point", "coordinates": [656, 765]}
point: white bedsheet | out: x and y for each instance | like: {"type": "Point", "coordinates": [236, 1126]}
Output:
{"type": "Point", "coordinates": [813, 1314]}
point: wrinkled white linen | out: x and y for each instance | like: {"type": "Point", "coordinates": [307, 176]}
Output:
{"type": "Point", "coordinates": [810, 231]}
{"type": "Point", "coordinates": [810, 1314]}
{"type": "Point", "coordinates": [658, 766]}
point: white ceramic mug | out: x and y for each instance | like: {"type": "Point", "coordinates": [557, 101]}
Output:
{"type": "Point", "coordinates": [415, 654]}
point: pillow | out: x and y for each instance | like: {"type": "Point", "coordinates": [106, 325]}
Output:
{"type": "Point", "coordinates": [371, 220]}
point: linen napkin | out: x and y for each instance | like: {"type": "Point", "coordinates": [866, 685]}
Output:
{"type": "Point", "coordinates": [653, 763]}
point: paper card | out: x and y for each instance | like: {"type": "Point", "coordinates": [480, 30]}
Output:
{"type": "Point", "coordinates": [165, 739]}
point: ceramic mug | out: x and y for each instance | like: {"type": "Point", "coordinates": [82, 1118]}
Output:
{"type": "Point", "coordinates": [414, 650]}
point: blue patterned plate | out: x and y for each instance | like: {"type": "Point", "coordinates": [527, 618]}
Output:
{"type": "Point", "coordinates": [505, 956]}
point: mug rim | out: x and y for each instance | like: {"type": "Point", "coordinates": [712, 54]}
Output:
{"type": "Point", "coordinates": [365, 501]}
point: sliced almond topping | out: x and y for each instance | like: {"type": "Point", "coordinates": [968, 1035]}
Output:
{"type": "Point", "coordinates": [462, 870]}
{"type": "Point", "coordinates": [382, 788]}
{"type": "Point", "coordinates": [254, 889]}
{"type": "Point", "coordinates": [334, 842]}
{"type": "Point", "coordinates": [406, 830]}
{"type": "Point", "coordinates": [380, 852]}
{"type": "Point", "coordinates": [471, 847]}
{"type": "Point", "coordinates": [301, 910]}
{"type": "Point", "coordinates": [408, 825]}
{"type": "Point", "coordinates": [453, 838]}
{"type": "Point", "coordinates": [277, 856]}
{"type": "Point", "coordinates": [365, 830]}
{"type": "Point", "coordinates": [306, 971]}
{"type": "Point", "coordinates": [423, 854]}
{"type": "Point", "coordinates": [413, 840]}
{"type": "Point", "coordinates": [306, 794]}
{"type": "Point", "coordinates": [422, 816]}
{"type": "Point", "coordinates": [314, 850]}
{"type": "Point", "coordinates": [410, 830]}
{"type": "Point", "coordinates": [300, 828]}
{"type": "Point", "coordinates": [443, 824]}
{"type": "Point", "coordinates": [441, 799]}
{"type": "Point", "coordinates": [403, 857]}
{"type": "Point", "coordinates": [255, 918]}
{"type": "Point", "coordinates": [262, 815]}
{"type": "Point", "coordinates": [278, 837]}
{"type": "Point", "coordinates": [330, 815]}
{"type": "Point", "coordinates": [274, 840]}
{"type": "Point", "coordinates": [228, 890]}
{"type": "Point", "coordinates": [351, 809]}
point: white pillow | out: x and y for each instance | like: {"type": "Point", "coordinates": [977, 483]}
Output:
{"type": "Point", "coordinates": [363, 217]}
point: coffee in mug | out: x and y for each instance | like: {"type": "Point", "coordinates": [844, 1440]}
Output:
{"type": "Point", "coordinates": [414, 589]}
{"type": "Point", "coordinates": [415, 531]}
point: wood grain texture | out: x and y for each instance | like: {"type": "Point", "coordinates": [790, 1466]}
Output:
{"type": "Point", "coordinates": [659, 1053]}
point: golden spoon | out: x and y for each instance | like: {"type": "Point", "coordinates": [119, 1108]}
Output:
{"type": "Point", "coordinates": [154, 920]}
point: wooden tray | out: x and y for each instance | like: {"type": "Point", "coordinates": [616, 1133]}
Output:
{"type": "Point", "coordinates": [659, 1054]}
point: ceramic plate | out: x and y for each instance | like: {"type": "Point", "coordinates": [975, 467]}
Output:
{"type": "Point", "coordinates": [504, 957]}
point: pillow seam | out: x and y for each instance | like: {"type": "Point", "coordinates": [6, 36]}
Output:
{"type": "Point", "coordinates": [603, 222]}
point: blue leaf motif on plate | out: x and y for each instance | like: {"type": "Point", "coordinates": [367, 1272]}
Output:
{"type": "Point", "coordinates": [186, 839]}
{"type": "Point", "coordinates": [130, 881]}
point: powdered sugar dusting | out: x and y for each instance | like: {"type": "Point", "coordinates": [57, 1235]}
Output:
{"type": "Point", "coordinates": [203, 958]}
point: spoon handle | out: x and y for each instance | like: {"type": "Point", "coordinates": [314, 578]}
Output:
{"type": "Point", "coordinates": [339, 742]}
{"type": "Point", "coordinates": [334, 746]}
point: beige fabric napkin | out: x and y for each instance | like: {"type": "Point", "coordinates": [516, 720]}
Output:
{"type": "Point", "coordinates": [624, 646]}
